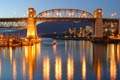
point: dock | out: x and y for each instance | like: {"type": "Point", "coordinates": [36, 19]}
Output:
{"type": "Point", "coordinates": [17, 41]}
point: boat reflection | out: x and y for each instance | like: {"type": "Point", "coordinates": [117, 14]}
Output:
{"type": "Point", "coordinates": [55, 49]}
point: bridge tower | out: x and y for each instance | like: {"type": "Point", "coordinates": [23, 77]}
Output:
{"type": "Point", "coordinates": [98, 23]}
{"type": "Point", "coordinates": [31, 24]}
{"type": "Point", "coordinates": [119, 27]}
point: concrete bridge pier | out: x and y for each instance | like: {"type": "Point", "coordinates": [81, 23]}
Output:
{"type": "Point", "coordinates": [119, 27]}
{"type": "Point", "coordinates": [31, 24]}
{"type": "Point", "coordinates": [98, 23]}
{"type": "Point", "coordinates": [32, 36]}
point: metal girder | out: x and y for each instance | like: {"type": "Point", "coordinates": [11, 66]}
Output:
{"type": "Point", "coordinates": [13, 19]}
{"type": "Point", "coordinates": [50, 19]}
{"type": "Point", "coordinates": [74, 13]}
{"type": "Point", "coordinates": [11, 25]}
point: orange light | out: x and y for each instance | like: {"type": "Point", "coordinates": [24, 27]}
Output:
{"type": "Point", "coordinates": [54, 49]}
{"type": "Point", "coordinates": [58, 68]}
{"type": "Point", "coordinates": [46, 68]}
{"type": "Point", "coordinates": [30, 10]}
{"type": "Point", "coordinates": [112, 63]}
{"type": "Point", "coordinates": [83, 68]}
{"type": "Point", "coordinates": [38, 46]}
{"type": "Point", "coordinates": [23, 68]}
{"type": "Point", "coordinates": [99, 70]}
{"type": "Point", "coordinates": [70, 67]}
{"type": "Point", "coordinates": [14, 70]}
{"type": "Point", "coordinates": [31, 23]}
{"type": "Point", "coordinates": [30, 71]}
{"type": "Point", "coordinates": [11, 52]}
{"type": "Point", "coordinates": [31, 60]}
{"type": "Point", "coordinates": [99, 11]}
{"type": "Point", "coordinates": [118, 52]}
{"type": "Point", "coordinates": [26, 52]}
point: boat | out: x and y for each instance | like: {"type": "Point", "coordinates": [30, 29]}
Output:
{"type": "Point", "coordinates": [54, 42]}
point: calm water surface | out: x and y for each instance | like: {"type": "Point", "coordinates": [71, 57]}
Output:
{"type": "Point", "coordinates": [66, 60]}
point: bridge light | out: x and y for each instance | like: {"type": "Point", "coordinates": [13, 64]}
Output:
{"type": "Point", "coordinates": [113, 14]}
{"type": "Point", "coordinates": [1, 35]}
{"type": "Point", "coordinates": [58, 14]}
{"type": "Point", "coordinates": [70, 14]}
{"type": "Point", "coordinates": [84, 15]}
{"type": "Point", "coordinates": [30, 10]}
{"type": "Point", "coordinates": [47, 14]}
{"type": "Point", "coordinates": [99, 11]}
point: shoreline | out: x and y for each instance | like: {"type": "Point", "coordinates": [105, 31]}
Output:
{"type": "Point", "coordinates": [92, 39]}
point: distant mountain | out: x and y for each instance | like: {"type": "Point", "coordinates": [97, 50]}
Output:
{"type": "Point", "coordinates": [58, 27]}
{"type": "Point", "coordinates": [51, 27]}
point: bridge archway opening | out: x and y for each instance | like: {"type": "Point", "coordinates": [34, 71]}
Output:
{"type": "Point", "coordinates": [61, 27]}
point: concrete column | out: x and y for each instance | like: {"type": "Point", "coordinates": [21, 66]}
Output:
{"type": "Point", "coordinates": [98, 33]}
{"type": "Point", "coordinates": [99, 28]}
{"type": "Point", "coordinates": [31, 24]}
{"type": "Point", "coordinates": [119, 27]}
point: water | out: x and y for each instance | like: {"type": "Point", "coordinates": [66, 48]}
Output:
{"type": "Point", "coordinates": [66, 60]}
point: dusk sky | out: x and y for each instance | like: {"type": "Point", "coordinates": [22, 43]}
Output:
{"type": "Point", "coordinates": [18, 8]}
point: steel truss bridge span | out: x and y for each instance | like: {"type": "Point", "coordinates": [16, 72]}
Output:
{"type": "Point", "coordinates": [13, 19]}
{"type": "Point", "coordinates": [16, 23]}
{"type": "Point", "coordinates": [65, 15]}
{"type": "Point", "coordinates": [68, 13]}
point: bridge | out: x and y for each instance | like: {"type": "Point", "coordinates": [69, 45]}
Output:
{"type": "Point", "coordinates": [60, 15]}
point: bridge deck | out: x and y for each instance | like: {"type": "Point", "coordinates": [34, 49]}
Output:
{"type": "Point", "coordinates": [49, 19]}
{"type": "Point", "coordinates": [13, 19]}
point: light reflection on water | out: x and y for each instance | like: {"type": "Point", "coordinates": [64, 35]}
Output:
{"type": "Point", "coordinates": [83, 68]}
{"type": "Point", "coordinates": [70, 67]}
{"type": "Point", "coordinates": [58, 68]}
{"type": "Point", "coordinates": [112, 62]}
{"type": "Point", "coordinates": [46, 67]}
{"type": "Point", "coordinates": [14, 70]}
{"type": "Point", "coordinates": [66, 60]}
{"type": "Point", "coordinates": [0, 68]}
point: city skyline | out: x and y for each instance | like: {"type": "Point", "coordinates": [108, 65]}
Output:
{"type": "Point", "coordinates": [19, 8]}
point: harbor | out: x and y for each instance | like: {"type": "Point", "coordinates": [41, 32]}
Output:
{"type": "Point", "coordinates": [17, 41]}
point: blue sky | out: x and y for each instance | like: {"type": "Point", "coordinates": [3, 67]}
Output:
{"type": "Point", "coordinates": [18, 8]}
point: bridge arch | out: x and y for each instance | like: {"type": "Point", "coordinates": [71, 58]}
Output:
{"type": "Point", "coordinates": [68, 13]}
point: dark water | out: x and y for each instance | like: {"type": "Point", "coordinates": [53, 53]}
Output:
{"type": "Point", "coordinates": [66, 60]}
